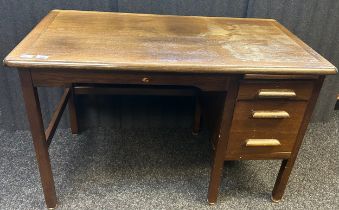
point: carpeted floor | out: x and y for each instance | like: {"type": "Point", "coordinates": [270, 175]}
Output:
{"type": "Point", "coordinates": [107, 168]}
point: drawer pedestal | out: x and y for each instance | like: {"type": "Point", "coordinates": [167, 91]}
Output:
{"type": "Point", "coordinates": [269, 120]}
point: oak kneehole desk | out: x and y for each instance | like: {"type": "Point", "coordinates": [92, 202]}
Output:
{"type": "Point", "coordinates": [258, 83]}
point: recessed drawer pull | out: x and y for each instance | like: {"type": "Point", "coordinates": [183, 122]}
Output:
{"type": "Point", "coordinates": [270, 114]}
{"type": "Point", "coordinates": [262, 142]}
{"type": "Point", "coordinates": [276, 93]}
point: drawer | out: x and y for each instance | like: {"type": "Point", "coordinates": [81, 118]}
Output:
{"type": "Point", "coordinates": [206, 82]}
{"type": "Point", "coordinates": [268, 116]}
{"type": "Point", "coordinates": [260, 145]}
{"type": "Point", "coordinates": [274, 89]}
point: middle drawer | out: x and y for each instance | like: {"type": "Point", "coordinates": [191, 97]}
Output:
{"type": "Point", "coordinates": [271, 116]}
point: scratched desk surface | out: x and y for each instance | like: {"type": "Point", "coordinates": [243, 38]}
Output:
{"type": "Point", "coordinates": [106, 41]}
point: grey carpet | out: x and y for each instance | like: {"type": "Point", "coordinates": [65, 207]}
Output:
{"type": "Point", "coordinates": [106, 168]}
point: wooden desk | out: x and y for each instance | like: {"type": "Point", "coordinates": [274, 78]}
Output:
{"type": "Point", "coordinates": [259, 83]}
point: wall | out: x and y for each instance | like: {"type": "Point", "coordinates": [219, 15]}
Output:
{"type": "Point", "coordinates": [313, 21]}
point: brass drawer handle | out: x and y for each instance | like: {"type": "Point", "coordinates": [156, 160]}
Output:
{"type": "Point", "coordinates": [262, 143]}
{"type": "Point", "coordinates": [275, 114]}
{"type": "Point", "coordinates": [276, 93]}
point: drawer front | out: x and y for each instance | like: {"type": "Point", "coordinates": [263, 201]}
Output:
{"type": "Point", "coordinates": [290, 90]}
{"type": "Point", "coordinates": [268, 116]}
{"type": "Point", "coordinates": [259, 145]}
{"type": "Point", "coordinates": [64, 78]}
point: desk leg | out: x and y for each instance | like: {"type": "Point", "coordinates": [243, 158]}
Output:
{"type": "Point", "coordinates": [222, 135]}
{"type": "Point", "coordinates": [33, 110]}
{"type": "Point", "coordinates": [287, 165]}
{"type": "Point", "coordinates": [72, 113]}
{"type": "Point", "coordinates": [282, 179]}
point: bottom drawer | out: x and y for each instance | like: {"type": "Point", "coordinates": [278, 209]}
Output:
{"type": "Point", "coordinates": [259, 145]}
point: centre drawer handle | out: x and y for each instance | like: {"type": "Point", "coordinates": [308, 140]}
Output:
{"type": "Point", "coordinates": [262, 143]}
{"type": "Point", "coordinates": [145, 80]}
{"type": "Point", "coordinates": [275, 114]}
{"type": "Point", "coordinates": [276, 93]}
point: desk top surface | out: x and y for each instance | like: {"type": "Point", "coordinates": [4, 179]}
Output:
{"type": "Point", "coordinates": [69, 39]}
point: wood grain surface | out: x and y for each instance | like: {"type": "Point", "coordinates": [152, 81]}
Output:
{"type": "Point", "coordinates": [143, 42]}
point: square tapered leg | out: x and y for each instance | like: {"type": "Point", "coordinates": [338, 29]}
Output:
{"type": "Point", "coordinates": [33, 110]}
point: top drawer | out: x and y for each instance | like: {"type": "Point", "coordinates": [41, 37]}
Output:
{"type": "Point", "coordinates": [290, 90]}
